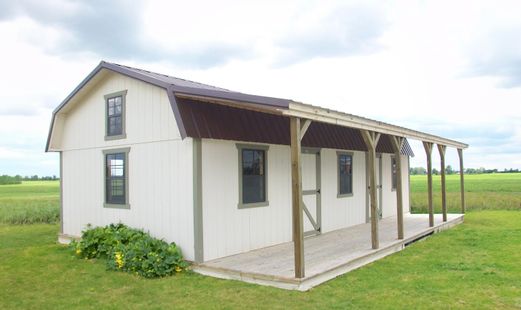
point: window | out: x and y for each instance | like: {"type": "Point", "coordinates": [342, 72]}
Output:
{"type": "Point", "coordinates": [115, 115]}
{"type": "Point", "coordinates": [393, 172]}
{"type": "Point", "coordinates": [345, 174]}
{"type": "Point", "coordinates": [252, 176]}
{"type": "Point", "coordinates": [116, 178]}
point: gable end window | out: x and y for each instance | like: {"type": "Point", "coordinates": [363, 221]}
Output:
{"type": "Point", "coordinates": [345, 174]}
{"type": "Point", "coordinates": [115, 115]}
{"type": "Point", "coordinates": [116, 178]}
{"type": "Point", "coordinates": [252, 176]}
{"type": "Point", "coordinates": [393, 173]}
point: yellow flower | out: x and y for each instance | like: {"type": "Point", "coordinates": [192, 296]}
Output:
{"type": "Point", "coordinates": [78, 251]}
{"type": "Point", "coordinates": [178, 269]}
{"type": "Point", "coordinates": [119, 259]}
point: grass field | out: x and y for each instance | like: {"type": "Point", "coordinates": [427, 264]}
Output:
{"type": "Point", "coordinates": [500, 191]}
{"type": "Point", "coordinates": [30, 202]}
{"type": "Point", "coordinates": [472, 266]}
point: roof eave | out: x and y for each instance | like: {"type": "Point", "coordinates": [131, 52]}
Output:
{"type": "Point", "coordinates": [298, 109]}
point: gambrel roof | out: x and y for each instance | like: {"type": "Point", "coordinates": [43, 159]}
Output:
{"type": "Point", "coordinates": [205, 111]}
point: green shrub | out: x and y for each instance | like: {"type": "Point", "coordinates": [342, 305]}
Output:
{"type": "Point", "coordinates": [130, 250]}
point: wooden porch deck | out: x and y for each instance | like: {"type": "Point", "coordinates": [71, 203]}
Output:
{"type": "Point", "coordinates": [326, 256]}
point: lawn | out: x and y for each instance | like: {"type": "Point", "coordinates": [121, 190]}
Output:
{"type": "Point", "coordinates": [501, 191]}
{"type": "Point", "coordinates": [30, 202]}
{"type": "Point", "coordinates": [474, 266]}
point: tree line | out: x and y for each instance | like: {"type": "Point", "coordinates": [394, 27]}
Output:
{"type": "Point", "coordinates": [17, 179]}
{"type": "Point", "coordinates": [450, 170]}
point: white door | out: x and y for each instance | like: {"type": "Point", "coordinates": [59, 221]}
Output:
{"type": "Point", "coordinates": [311, 191]}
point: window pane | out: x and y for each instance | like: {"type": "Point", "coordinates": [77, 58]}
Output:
{"type": "Point", "coordinates": [115, 126]}
{"type": "Point", "coordinates": [115, 178]}
{"type": "Point", "coordinates": [345, 174]}
{"type": "Point", "coordinates": [114, 116]}
{"type": "Point", "coordinates": [253, 176]}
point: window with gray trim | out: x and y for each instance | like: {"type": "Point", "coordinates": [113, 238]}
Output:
{"type": "Point", "coordinates": [115, 116]}
{"type": "Point", "coordinates": [116, 178]}
{"type": "Point", "coordinates": [345, 174]}
{"type": "Point", "coordinates": [115, 110]}
{"type": "Point", "coordinates": [393, 173]}
{"type": "Point", "coordinates": [253, 166]}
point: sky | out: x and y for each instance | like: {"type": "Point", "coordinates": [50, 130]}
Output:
{"type": "Point", "coordinates": [450, 68]}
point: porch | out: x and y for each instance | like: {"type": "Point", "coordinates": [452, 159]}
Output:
{"type": "Point", "coordinates": [327, 255]}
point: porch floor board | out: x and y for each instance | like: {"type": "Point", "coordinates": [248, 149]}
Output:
{"type": "Point", "coordinates": [326, 256]}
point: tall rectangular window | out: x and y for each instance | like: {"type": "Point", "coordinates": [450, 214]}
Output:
{"type": "Point", "coordinates": [345, 174]}
{"type": "Point", "coordinates": [252, 163]}
{"type": "Point", "coordinates": [393, 172]}
{"type": "Point", "coordinates": [115, 116]}
{"type": "Point", "coordinates": [116, 178]}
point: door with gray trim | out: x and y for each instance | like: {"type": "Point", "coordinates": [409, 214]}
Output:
{"type": "Point", "coordinates": [311, 191]}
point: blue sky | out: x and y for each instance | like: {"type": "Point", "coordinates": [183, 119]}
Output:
{"type": "Point", "coordinates": [452, 68]}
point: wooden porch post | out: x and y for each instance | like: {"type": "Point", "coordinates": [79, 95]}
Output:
{"type": "Point", "coordinates": [397, 146]}
{"type": "Point", "coordinates": [371, 140]}
{"type": "Point", "coordinates": [441, 150]}
{"type": "Point", "coordinates": [428, 150]}
{"type": "Point", "coordinates": [296, 194]}
{"type": "Point", "coordinates": [462, 182]}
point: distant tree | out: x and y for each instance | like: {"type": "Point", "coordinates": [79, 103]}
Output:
{"type": "Point", "coordinates": [34, 177]}
{"type": "Point", "coordinates": [435, 171]}
{"type": "Point", "coordinates": [449, 170]}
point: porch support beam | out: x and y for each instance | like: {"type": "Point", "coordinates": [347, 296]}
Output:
{"type": "Point", "coordinates": [371, 140]}
{"type": "Point", "coordinates": [441, 150]}
{"type": "Point", "coordinates": [397, 143]}
{"type": "Point", "coordinates": [296, 194]}
{"type": "Point", "coordinates": [428, 151]}
{"type": "Point", "coordinates": [304, 127]}
{"type": "Point", "coordinates": [462, 181]}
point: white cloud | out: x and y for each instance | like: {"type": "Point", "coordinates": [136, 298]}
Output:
{"type": "Point", "coordinates": [434, 66]}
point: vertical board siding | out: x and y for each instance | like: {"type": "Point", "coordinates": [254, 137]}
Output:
{"type": "Point", "coordinates": [159, 162]}
{"type": "Point", "coordinates": [345, 211]}
{"type": "Point", "coordinates": [229, 230]}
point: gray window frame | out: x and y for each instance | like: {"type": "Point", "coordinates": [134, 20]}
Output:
{"type": "Point", "coordinates": [126, 205]}
{"type": "Point", "coordinates": [123, 95]}
{"type": "Point", "coordinates": [394, 176]}
{"type": "Point", "coordinates": [264, 148]}
{"type": "Point", "coordinates": [338, 154]}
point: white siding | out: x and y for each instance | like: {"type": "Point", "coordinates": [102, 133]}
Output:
{"type": "Point", "coordinates": [159, 162]}
{"type": "Point", "coordinates": [229, 230]}
{"type": "Point", "coordinates": [346, 211]}
{"type": "Point", "coordinates": [389, 195]}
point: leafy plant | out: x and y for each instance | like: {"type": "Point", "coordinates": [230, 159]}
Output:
{"type": "Point", "coordinates": [130, 250]}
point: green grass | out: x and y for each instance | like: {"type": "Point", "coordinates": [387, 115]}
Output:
{"type": "Point", "coordinates": [500, 191]}
{"type": "Point", "coordinates": [473, 266]}
{"type": "Point", "coordinates": [30, 202]}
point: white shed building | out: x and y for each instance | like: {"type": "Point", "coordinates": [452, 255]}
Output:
{"type": "Point", "coordinates": [218, 171]}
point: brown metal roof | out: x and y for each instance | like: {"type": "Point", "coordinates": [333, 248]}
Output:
{"type": "Point", "coordinates": [213, 121]}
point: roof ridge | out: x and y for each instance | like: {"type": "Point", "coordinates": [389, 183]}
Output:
{"type": "Point", "coordinates": [170, 76]}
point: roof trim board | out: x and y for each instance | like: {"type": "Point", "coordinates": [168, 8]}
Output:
{"type": "Point", "coordinates": [307, 111]}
